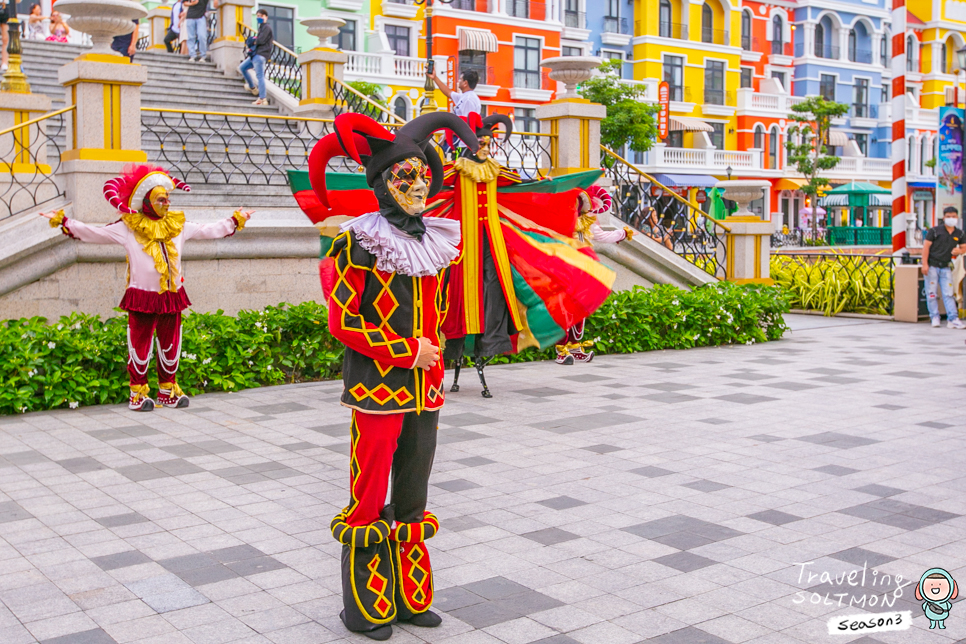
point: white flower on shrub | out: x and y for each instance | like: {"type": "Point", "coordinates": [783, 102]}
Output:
{"type": "Point", "coordinates": [51, 345]}
{"type": "Point", "coordinates": [31, 373]}
{"type": "Point", "coordinates": [189, 356]}
{"type": "Point", "coordinates": [206, 361]}
{"type": "Point", "coordinates": [60, 326]}
{"type": "Point", "coordinates": [73, 404]}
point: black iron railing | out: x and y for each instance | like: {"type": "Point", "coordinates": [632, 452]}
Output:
{"type": "Point", "coordinates": [348, 99]}
{"type": "Point", "coordinates": [282, 68]}
{"type": "Point", "coordinates": [29, 161]}
{"type": "Point", "coordinates": [143, 43]}
{"type": "Point", "coordinates": [232, 149]}
{"type": "Point", "coordinates": [212, 18]}
{"type": "Point", "coordinates": [527, 153]}
{"type": "Point", "coordinates": [645, 205]}
{"type": "Point", "coordinates": [836, 283]}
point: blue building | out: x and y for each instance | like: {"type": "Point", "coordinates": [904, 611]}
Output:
{"type": "Point", "coordinates": [601, 28]}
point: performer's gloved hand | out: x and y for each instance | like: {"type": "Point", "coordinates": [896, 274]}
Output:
{"type": "Point", "coordinates": [428, 354]}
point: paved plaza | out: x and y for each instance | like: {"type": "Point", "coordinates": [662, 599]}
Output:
{"type": "Point", "coordinates": [665, 497]}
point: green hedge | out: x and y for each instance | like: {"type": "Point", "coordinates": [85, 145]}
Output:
{"type": "Point", "coordinates": [81, 360]}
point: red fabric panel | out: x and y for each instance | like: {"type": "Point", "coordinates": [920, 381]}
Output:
{"type": "Point", "coordinates": [344, 202]}
{"type": "Point", "coordinates": [141, 301]}
{"type": "Point", "coordinates": [556, 211]}
{"type": "Point", "coordinates": [374, 439]}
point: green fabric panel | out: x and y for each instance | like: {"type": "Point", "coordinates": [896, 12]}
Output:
{"type": "Point", "coordinates": [326, 245]}
{"type": "Point", "coordinates": [299, 180]}
{"type": "Point", "coordinates": [542, 326]}
{"type": "Point", "coordinates": [558, 184]}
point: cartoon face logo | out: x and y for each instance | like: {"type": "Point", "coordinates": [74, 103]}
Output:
{"type": "Point", "coordinates": [936, 590]}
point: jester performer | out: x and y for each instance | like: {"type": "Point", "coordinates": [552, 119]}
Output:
{"type": "Point", "coordinates": [595, 201]}
{"type": "Point", "coordinates": [519, 281]}
{"type": "Point", "coordinates": [386, 304]}
{"type": "Point", "coordinates": [153, 237]}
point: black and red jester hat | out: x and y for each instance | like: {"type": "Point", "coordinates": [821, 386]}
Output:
{"type": "Point", "coordinates": [370, 144]}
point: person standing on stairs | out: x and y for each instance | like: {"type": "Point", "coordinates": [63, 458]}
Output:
{"type": "Point", "coordinates": [259, 52]}
{"type": "Point", "coordinates": [196, 25]}
{"type": "Point", "coordinates": [126, 44]}
{"type": "Point", "coordinates": [174, 30]}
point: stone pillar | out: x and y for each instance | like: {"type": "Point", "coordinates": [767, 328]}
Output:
{"type": "Point", "coordinates": [318, 66]}
{"type": "Point", "coordinates": [159, 19]}
{"type": "Point", "coordinates": [808, 44]}
{"type": "Point", "coordinates": [103, 131]}
{"type": "Point", "coordinates": [747, 249]}
{"type": "Point", "coordinates": [228, 48]}
{"type": "Point", "coordinates": [576, 124]}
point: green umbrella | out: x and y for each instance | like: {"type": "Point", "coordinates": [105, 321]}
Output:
{"type": "Point", "coordinates": [858, 188]}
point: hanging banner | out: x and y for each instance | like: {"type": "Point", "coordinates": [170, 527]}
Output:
{"type": "Point", "coordinates": [664, 98]}
{"type": "Point", "coordinates": [450, 79]}
{"type": "Point", "coordinates": [949, 164]}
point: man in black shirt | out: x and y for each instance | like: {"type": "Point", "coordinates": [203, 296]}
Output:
{"type": "Point", "coordinates": [196, 26]}
{"type": "Point", "coordinates": [126, 44]}
{"type": "Point", "coordinates": [943, 243]}
{"type": "Point", "coordinates": [264, 41]}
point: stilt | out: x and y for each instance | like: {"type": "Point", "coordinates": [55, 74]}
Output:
{"type": "Point", "coordinates": [456, 374]}
{"type": "Point", "coordinates": [480, 364]}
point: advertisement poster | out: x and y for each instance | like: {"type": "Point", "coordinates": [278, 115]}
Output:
{"type": "Point", "coordinates": [663, 97]}
{"type": "Point", "coordinates": [949, 164]}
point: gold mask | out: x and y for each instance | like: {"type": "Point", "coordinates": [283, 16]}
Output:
{"type": "Point", "coordinates": [484, 152]}
{"type": "Point", "coordinates": [407, 185]}
{"type": "Point", "coordinates": [159, 201]}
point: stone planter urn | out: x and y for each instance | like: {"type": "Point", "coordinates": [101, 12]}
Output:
{"type": "Point", "coordinates": [571, 70]}
{"type": "Point", "coordinates": [102, 19]}
{"type": "Point", "coordinates": [322, 28]}
{"type": "Point", "coordinates": [743, 192]}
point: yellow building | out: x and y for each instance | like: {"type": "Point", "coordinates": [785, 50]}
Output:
{"type": "Point", "coordinates": [939, 27]}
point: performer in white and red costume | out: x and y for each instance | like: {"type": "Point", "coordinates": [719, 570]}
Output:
{"type": "Point", "coordinates": [153, 237]}
{"type": "Point", "coordinates": [595, 201]}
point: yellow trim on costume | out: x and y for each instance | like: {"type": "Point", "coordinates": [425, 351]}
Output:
{"type": "Point", "coordinates": [172, 387]}
{"type": "Point", "coordinates": [239, 220]}
{"type": "Point", "coordinates": [471, 254]}
{"type": "Point", "coordinates": [151, 234]}
{"type": "Point", "coordinates": [575, 258]}
{"type": "Point", "coordinates": [57, 219]}
{"type": "Point", "coordinates": [480, 172]}
{"type": "Point", "coordinates": [500, 254]}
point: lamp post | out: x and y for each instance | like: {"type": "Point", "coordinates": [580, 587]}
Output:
{"type": "Point", "coordinates": [429, 88]}
{"type": "Point", "coordinates": [961, 59]}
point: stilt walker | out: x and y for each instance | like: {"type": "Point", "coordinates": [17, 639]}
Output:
{"type": "Point", "coordinates": [595, 201]}
{"type": "Point", "coordinates": [386, 304]}
{"type": "Point", "coordinates": [153, 237]}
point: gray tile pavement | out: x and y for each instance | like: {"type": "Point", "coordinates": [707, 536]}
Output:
{"type": "Point", "coordinates": [713, 496]}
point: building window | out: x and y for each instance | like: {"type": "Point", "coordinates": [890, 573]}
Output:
{"type": "Point", "coordinates": [465, 5]}
{"type": "Point", "coordinates": [924, 150]}
{"type": "Point", "coordinates": [665, 18]}
{"type": "Point", "coordinates": [885, 93]}
{"type": "Point", "coordinates": [572, 17]}
{"type": "Point", "coordinates": [862, 140]}
{"type": "Point", "coordinates": [860, 101]}
{"type": "Point", "coordinates": [884, 50]}
{"type": "Point", "coordinates": [717, 135]}
{"type": "Point", "coordinates": [346, 38]}
{"type": "Point", "coordinates": [675, 139]}
{"type": "Point", "coordinates": [282, 22]}
{"type": "Point", "coordinates": [826, 87]}
{"type": "Point", "coordinates": [853, 38]}
{"type": "Point", "coordinates": [526, 63]}
{"type": "Point", "coordinates": [707, 23]}
{"type": "Point", "coordinates": [777, 43]}
{"type": "Point", "coordinates": [780, 77]}
{"type": "Point", "coordinates": [470, 60]}
{"type": "Point", "coordinates": [571, 51]}
{"type": "Point", "coordinates": [674, 75]}
{"type": "Point", "coordinates": [612, 20]}
{"type": "Point", "coordinates": [746, 30]}
{"type": "Point", "coordinates": [820, 40]}
{"type": "Point", "coordinates": [518, 8]}
{"type": "Point", "coordinates": [746, 76]}
{"type": "Point", "coordinates": [398, 39]}
{"type": "Point", "coordinates": [525, 120]}
{"type": "Point", "coordinates": [400, 108]}
{"type": "Point", "coordinates": [910, 149]}
{"type": "Point", "coordinates": [773, 147]}
{"type": "Point", "coordinates": [714, 74]}
{"type": "Point", "coordinates": [611, 55]}
{"type": "Point", "coordinates": [910, 55]}
{"type": "Point", "coordinates": [759, 137]}
{"type": "Point", "coordinates": [943, 54]}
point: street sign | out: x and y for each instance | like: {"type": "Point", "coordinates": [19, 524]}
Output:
{"type": "Point", "coordinates": [664, 98]}
{"type": "Point", "coordinates": [701, 196]}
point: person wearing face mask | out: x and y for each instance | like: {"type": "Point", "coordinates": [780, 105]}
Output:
{"type": "Point", "coordinates": [153, 237]}
{"type": "Point", "coordinates": [943, 243]}
{"type": "Point", "coordinates": [386, 302]}
{"type": "Point", "coordinates": [259, 55]}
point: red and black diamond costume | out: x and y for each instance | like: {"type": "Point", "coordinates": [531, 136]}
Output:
{"type": "Point", "coordinates": [153, 238]}
{"type": "Point", "coordinates": [386, 293]}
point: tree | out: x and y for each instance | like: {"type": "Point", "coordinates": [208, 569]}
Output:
{"type": "Point", "coordinates": [810, 155]}
{"type": "Point", "coordinates": [629, 121]}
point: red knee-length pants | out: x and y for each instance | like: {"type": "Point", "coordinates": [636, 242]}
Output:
{"type": "Point", "coordinates": [141, 330]}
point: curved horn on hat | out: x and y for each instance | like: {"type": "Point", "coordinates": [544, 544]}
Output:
{"type": "Point", "coordinates": [493, 119]}
{"type": "Point", "coordinates": [111, 188]}
{"type": "Point", "coordinates": [326, 148]}
{"type": "Point", "coordinates": [422, 126]}
{"type": "Point", "coordinates": [435, 166]}
{"type": "Point", "coordinates": [347, 124]}
{"type": "Point", "coordinates": [180, 185]}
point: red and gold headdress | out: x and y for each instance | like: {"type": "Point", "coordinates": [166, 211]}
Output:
{"type": "Point", "coordinates": [600, 199]}
{"type": "Point", "coordinates": [126, 193]}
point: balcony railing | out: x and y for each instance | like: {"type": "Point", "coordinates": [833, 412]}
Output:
{"type": "Point", "coordinates": [403, 67]}
{"type": "Point", "coordinates": [575, 19]}
{"type": "Point", "coordinates": [746, 41]}
{"type": "Point", "coordinates": [718, 97]}
{"type": "Point", "coordinates": [526, 80]}
{"type": "Point", "coordinates": [864, 111]}
{"type": "Point", "coordinates": [518, 8]}
{"type": "Point", "coordinates": [614, 25]}
{"type": "Point", "coordinates": [827, 51]}
{"type": "Point", "coordinates": [779, 103]}
{"type": "Point", "coordinates": [704, 159]}
{"type": "Point", "coordinates": [715, 36]}
{"type": "Point", "coordinates": [465, 5]}
{"type": "Point", "coordinates": [861, 56]}
{"type": "Point", "coordinates": [672, 30]}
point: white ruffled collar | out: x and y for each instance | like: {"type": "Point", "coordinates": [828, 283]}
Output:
{"type": "Point", "coordinates": [399, 252]}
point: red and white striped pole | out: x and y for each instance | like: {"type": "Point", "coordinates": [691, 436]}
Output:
{"type": "Point", "coordinates": [898, 125]}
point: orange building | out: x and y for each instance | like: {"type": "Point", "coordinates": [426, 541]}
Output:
{"type": "Point", "coordinates": [504, 42]}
